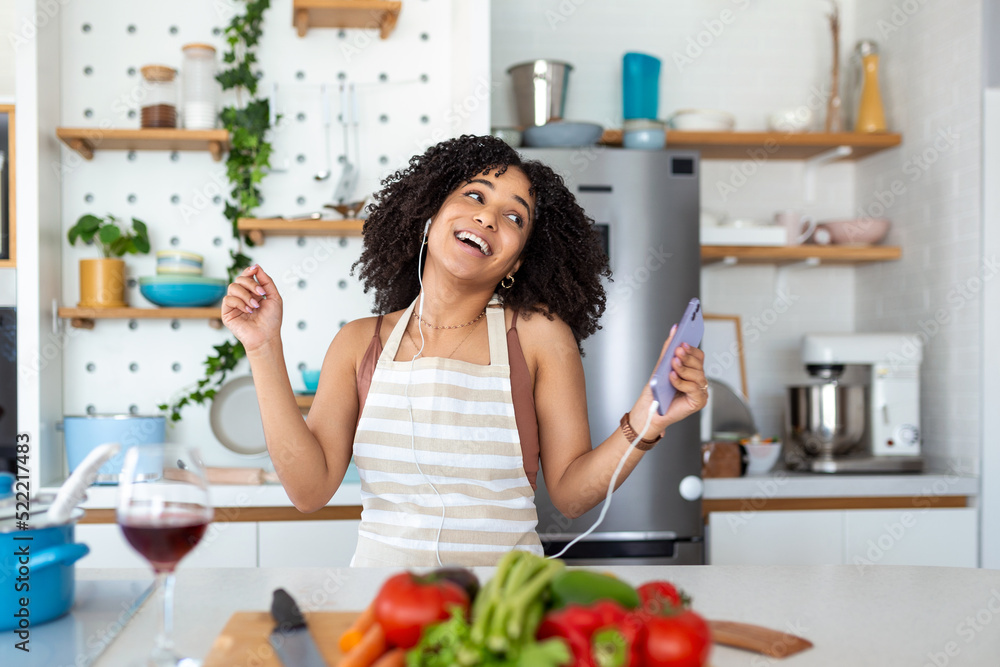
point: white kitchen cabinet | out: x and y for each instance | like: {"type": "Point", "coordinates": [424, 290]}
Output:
{"type": "Point", "coordinates": [941, 537]}
{"type": "Point", "coordinates": [776, 538]}
{"type": "Point", "coordinates": [944, 537]}
{"type": "Point", "coordinates": [308, 543]}
{"type": "Point", "coordinates": [224, 545]}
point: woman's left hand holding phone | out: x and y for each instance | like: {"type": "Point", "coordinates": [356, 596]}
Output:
{"type": "Point", "coordinates": [688, 378]}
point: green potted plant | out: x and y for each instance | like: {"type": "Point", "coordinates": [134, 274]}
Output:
{"type": "Point", "coordinates": [102, 281]}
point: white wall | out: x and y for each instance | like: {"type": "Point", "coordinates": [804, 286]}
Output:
{"type": "Point", "coordinates": [7, 24]}
{"type": "Point", "coordinates": [932, 67]}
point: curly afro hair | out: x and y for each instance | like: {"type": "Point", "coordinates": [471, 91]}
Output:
{"type": "Point", "coordinates": [564, 260]}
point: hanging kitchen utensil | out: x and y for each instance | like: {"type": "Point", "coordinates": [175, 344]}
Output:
{"type": "Point", "coordinates": [348, 177]}
{"type": "Point", "coordinates": [325, 104]}
{"type": "Point", "coordinates": [73, 490]}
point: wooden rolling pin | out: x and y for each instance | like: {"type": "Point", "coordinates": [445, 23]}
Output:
{"type": "Point", "coordinates": [240, 476]}
{"type": "Point", "coordinates": [773, 643]}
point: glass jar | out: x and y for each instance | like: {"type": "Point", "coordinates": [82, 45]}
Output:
{"type": "Point", "coordinates": [200, 87]}
{"type": "Point", "coordinates": [159, 105]}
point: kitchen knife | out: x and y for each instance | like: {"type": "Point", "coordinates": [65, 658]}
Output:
{"type": "Point", "coordinates": [290, 638]}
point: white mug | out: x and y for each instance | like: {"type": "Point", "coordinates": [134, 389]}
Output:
{"type": "Point", "coordinates": [798, 227]}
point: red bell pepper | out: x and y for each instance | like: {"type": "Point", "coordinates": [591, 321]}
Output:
{"type": "Point", "coordinates": [603, 634]}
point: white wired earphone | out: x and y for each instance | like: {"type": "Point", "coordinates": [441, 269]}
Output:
{"type": "Point", "coordinates": [409, 402]}
{"type": "Point", "coordinates": [409, 406]}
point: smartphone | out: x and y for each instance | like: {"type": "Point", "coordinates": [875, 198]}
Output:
{"type": "Point", "coordinates": [690, 330]}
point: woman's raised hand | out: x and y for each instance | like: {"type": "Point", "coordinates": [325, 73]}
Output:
{"type": "Point", "coordinates": [251, 309]}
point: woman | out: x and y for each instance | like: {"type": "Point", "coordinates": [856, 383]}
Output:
{"type": "Point", "coordinates": [488, 275]}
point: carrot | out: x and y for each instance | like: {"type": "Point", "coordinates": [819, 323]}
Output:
{"type": "Point", "coordinates": [394, 658]}
{"type": "Point", "coordinates": [352, 635]}
{"type": "Point", "coordinates": [368, 650]}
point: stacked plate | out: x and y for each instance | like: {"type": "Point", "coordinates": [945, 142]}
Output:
{"type": "Point", "coordinates": [175, 262]}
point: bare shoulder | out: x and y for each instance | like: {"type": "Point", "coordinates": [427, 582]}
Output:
{"type": "Point", "coordinates": [541, 336]}
{"type": "Point", "coordinates": [353, 339]}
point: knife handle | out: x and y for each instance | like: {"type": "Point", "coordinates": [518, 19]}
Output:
{"type": "Point", "coordinates": [285, 612]}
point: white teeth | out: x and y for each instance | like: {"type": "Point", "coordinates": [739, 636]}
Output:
{"type": "Point", "coordinates": [483, 245]}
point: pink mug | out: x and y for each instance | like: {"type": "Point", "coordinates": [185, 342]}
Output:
{"type": "Point", "coordinates": [798, 227]}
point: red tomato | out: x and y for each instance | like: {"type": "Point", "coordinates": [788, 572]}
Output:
{"type": "Point", "coordinates": [659, 597]}
{"type": "Point", "coordinates": [406, 605]}
{"type": "Point", "coordinates": [680, 640]}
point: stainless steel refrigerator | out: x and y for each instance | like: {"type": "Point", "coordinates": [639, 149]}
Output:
{"type": "Point", "coordinates": [646, 204]}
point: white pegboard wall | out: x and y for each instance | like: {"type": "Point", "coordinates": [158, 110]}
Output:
{"type": "Point", "coordinates": [405, 100]}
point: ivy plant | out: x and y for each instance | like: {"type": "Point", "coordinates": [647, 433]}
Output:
{"type": "Point", "coordinates": [247, 163]}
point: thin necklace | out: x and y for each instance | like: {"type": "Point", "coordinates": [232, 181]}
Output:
{"type": "Point", "coordinates": [457, 326]}
{"type": "Point", "coordinates": [455, 349]}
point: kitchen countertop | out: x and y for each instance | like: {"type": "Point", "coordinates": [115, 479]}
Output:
{"type": "Point", "coordinates": [783, 484]}
{"type": "Point", "coordinates": [779, 484]}
{"type": "Point", "coordinates": [879, 616]}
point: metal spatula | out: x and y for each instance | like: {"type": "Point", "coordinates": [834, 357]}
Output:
{"type": "Point", "coordinates": [349, 176]}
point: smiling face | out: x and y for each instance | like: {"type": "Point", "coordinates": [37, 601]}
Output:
{"type": "Point", "coordinates": [483, 225]}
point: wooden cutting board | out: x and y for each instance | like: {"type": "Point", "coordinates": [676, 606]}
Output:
{"type": "Point", "coordinates": [244, 639]}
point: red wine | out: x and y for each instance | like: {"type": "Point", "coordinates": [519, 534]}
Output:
{"type": "Point", "coordinates": [165, 543]}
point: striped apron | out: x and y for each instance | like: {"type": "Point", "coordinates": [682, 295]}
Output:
{"type": "Point", "coordinates": [465, 439]}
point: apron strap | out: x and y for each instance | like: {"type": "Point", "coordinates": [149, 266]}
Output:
{"type": "Point", "coordinates": [392, 343]}
{"type": "Point", "coordinates": [496, 331]}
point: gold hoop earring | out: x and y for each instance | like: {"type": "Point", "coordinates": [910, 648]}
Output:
{"type": "Point", "coordinates": [510, 278]}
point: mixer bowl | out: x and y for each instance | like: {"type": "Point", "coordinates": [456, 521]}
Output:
{"type": "Point", "coordinates": [825, 420]}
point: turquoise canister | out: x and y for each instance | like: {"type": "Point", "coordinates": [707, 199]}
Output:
{"type": "Point", "coordinates": [640, 85]}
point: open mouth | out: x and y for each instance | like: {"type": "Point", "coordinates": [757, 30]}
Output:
{"type": "Point", "coordinates": [474, 241]}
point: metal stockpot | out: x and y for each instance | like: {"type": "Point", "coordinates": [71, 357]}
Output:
{"type": "Point", "coordinates": [826, 420]}
{"type": "Point", "coordinates": [540, 90]}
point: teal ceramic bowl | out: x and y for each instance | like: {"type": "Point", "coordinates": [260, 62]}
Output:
{"type": "Point", "coordinates": [311, 379]}
{"type": "Point", "coordinates": [182, 291]}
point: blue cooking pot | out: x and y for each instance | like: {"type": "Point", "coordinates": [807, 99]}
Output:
{"type": "Point", "coordinates": [6, 484]}
{"type": "Point", "coordinates": [82, 433]}
{"type": "Point", "coordinates": [42, 589]}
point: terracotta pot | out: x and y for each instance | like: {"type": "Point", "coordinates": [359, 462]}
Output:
{"type": "Point", "coordinates": [102, 283]}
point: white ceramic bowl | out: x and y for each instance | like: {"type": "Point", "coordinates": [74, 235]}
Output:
{"type": "Point", "coordinates": [791, 120]}
{"type": "Point", "coordinates": [762, 457]}
{"type": "Point", "coordinates": [649, 140]}
{"type": "Point", "coordinates": [703, 120]}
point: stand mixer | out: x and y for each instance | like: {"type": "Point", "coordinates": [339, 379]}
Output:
{"type": "Point", "coordinates": [863, 414]}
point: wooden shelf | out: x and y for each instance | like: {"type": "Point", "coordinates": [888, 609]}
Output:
{"type": "Point", "coordinates": [83, 318]}
{"type": "Point", "coordinates": [378, 15]}
{"type": "Point", "coordinates": [258, 228]}
{"type": "Point", "coordinates": [825, 254]}
{"type": "Point", "coordinates": [304, 401]}
{"type": "Point", "coordinates": [86, 140]}
{"type": "Point", "coordinates": [762, 146]}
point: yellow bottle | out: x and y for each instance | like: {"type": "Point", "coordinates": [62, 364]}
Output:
{"type": "Point", "coordinates": [871, 116]}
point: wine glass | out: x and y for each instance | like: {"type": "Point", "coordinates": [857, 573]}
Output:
{"type": "Point", "coordinates": [163, 511]}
